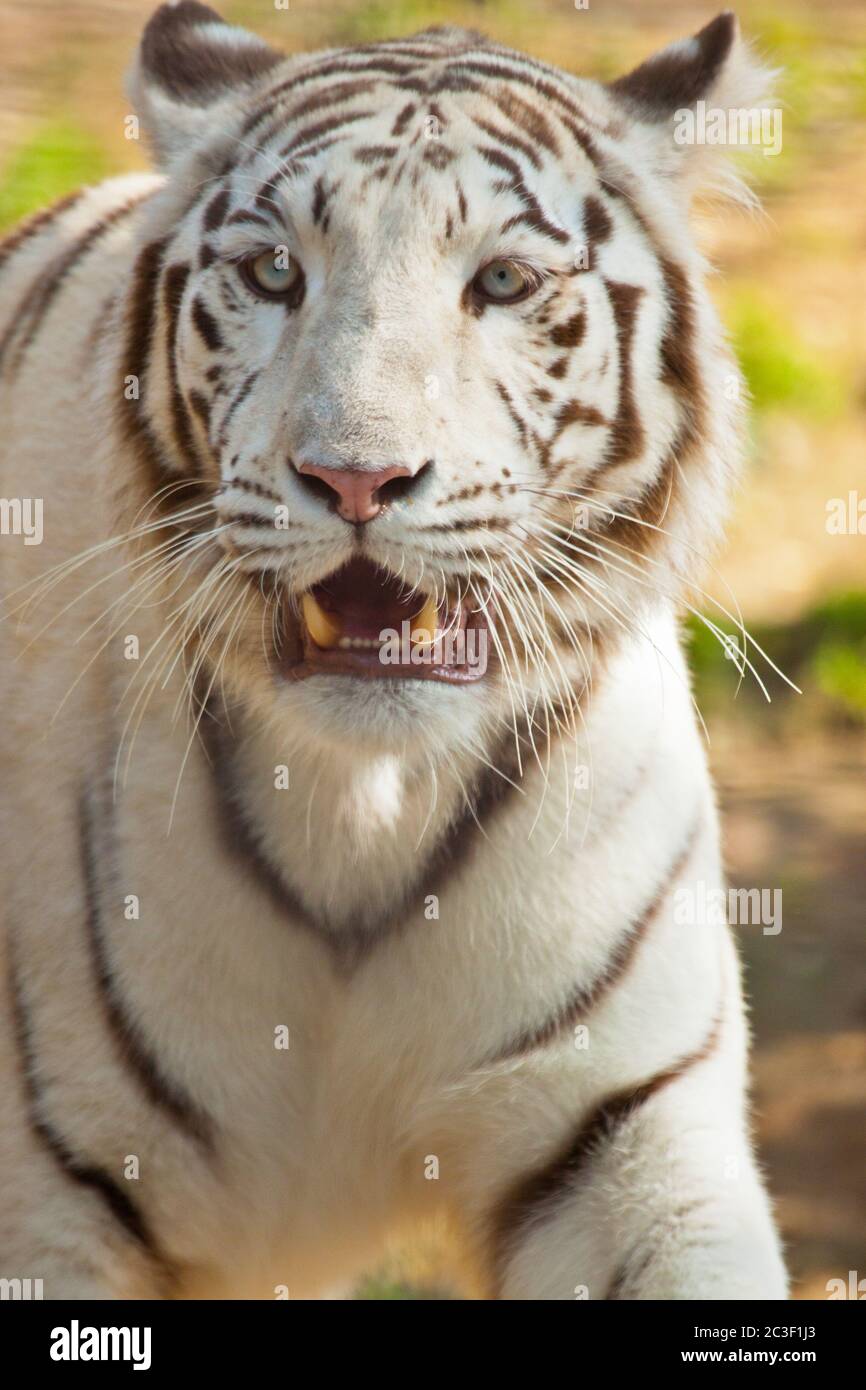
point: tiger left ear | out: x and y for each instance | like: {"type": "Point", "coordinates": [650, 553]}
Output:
{"type": "Point", "coordinates": [189, 62]}
{"type": "Point", "coordinates": [715, 67]}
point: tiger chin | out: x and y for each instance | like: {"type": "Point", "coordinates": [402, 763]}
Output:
{"type": "Point", "coordinates": [351, 769]}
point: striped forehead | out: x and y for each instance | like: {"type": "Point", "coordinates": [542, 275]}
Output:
{"type": "Point", "coordinates": [534, 97]}
{"type": "Point", "coordinates": [437, 127]}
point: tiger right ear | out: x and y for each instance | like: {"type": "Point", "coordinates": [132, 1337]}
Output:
{"type": "Point", "coordinates": [190, 63]}
{"type": "Point", "coordinates": [682, 73]}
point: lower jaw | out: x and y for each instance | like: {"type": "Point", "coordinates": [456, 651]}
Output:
{"type": "Point", "coordinates": [419, 663]}
{"type": "Point", "coordinates": [371, 669]}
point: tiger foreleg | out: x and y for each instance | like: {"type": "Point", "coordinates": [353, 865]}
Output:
{"type": "Point", "coordinates": [660, 1200]}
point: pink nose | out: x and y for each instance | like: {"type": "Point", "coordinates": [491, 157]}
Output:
{"type": "Point", "coordinates": [358, 491]}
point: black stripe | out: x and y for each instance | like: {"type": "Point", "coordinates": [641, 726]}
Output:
{"type": "Point", "coordinates": [312, 134]}
{"type": "Point", "coordinates": [627, 437]}
{"type": "Point", "coordinates": [411, 84]}
{"type": "Point", "coordinates": [571, 333]}
{"type": "Point", "coordinates": [215, 211]}
{"type": "Point", "coordinates": [534, 215]}
{"type": "Point", "coordinates": [206, 325]}
{"type": "Point", "coordinates": [246, 217]}
{"type": "Point", "coordinates": [245, 485]}
{"type": "Point", "coordinates": [297, 164]}
{"type": "Point", "coordinates": [132, 1048]}
{"type": "Point", "coordinates": [540, 85]}
{"type": "Point", "coordinates": [529, 119]}
{"type": "Point", "coordinates": [333, 95]}
{"type": "Point", "coordinates": [76, 1167]}
{"type": "Point", "coordinates": [403, 119]}
{"type": "Point", "coordinates": [516, 418]}
{"type": "Point", "coordinates": [628, 1273]}
{"type": "Point", "coordinates": [633, 1268]}
{"type": "Point", "coordinates": [491, 792]}
{"type": "Point", "coordinates": [201, 407]}
{"type": "Point", "coordinates": [174, 284]}
{"type": "Point", "coordinates": [135, 362]}
{"type": "Point", "coordinates": [437, 155]}
{"type": "Point", "coordinates": [587, 997]}
{"type": "Point", "coordinates": [372, 154]}
{"type": "Point", "coordinates": [270, 100]}
{"type": "Point", "coordinates": [678, 354]}
{"type": "Point", "coordinates": [536, 1198]}
{"type": "Point", "coordinates": [680, 371]}
{"type": "Point", "coordinates": [42, 221]}
{"type": "Point", "coordinates": [487, 523]}
{"type": "Point", "coordinates": [320, 198]}
{"type": "Point", "coordinates": [40, 295]}
{"type": "Point", "coordinates": [238, 400]}
{"type": "Point", "coordinates": [513, 142]}
{"type": "Point", "coordinates": [253, 519]}
{"type": "Point", "coordinates": [437, 48]}
{"type": "Point", "coordinates": [597, 226]}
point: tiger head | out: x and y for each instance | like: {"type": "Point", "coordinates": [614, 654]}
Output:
{"type": "Point", "coordinates": [428, 371]}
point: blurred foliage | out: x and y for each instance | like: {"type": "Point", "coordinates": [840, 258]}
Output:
{"type": "Point", "coordinates": [389, 18]}
{"type": "Point", "coordinates": [57, 158]}
{"type": "Point", "coordinates": [382, 1289]}
{"type": "Point", "coordinates": [840, 671]}
{"type": "Point", "coordinates": [823, 652]}
{"type": "Point", "coordinates": [779, 368]}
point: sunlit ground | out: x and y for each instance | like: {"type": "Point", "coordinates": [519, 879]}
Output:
{"type": "Point", "coordinates": [792, 289]}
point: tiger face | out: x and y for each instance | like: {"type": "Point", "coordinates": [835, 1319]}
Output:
{"type": "Point", "coordinates": [422, 331]}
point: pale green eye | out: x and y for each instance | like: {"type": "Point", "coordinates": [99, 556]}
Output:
{"type": "Point", "coordinates": [503, 282]}
{"type": "Point", "coordinates": [273, 273]}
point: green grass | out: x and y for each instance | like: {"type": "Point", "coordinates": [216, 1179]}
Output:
{"type": "Point", "coordinates": [838, 662]}
{"type": "Point", "coordinates": [779, 368]}
{"type": "Point", "coordinates": [58, 158]}
{"type": "Point", "coordinates": [385, 19]}
{"type": "Point", "coordinates": [383, 1286]}
{"type": "Point", "coordinates": [840, 674]}
{"type": "Point", "coordinates": [824, 653]}
{"type": "Point", "coordinates": [388, 19]}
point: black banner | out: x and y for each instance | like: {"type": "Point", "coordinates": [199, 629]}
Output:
{"type": "Point", "coordinates": [78, 1339]}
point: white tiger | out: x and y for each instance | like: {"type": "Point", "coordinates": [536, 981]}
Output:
{"type": "Point", "coordinates": [409, 338]}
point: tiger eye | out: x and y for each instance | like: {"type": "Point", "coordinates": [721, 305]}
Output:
{"type": "Point", "coordinates": [272, 274]}
{"type": "Point", "coordinates": [502, 282]}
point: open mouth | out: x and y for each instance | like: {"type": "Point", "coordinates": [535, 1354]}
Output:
{"type": "Point", "coordinates": [361, 621]}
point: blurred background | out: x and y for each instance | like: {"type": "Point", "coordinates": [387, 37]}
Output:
{"type": "Point", "coordinates": [792, 290]}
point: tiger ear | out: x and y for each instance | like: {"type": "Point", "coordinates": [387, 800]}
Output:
{"type": "Point", "coordinates": [190, 62]}
{"type": "Point", "coordinates": [713, 73]}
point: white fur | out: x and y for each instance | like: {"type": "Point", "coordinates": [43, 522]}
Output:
{"type": "Point", "coordinates": [321, 1149]}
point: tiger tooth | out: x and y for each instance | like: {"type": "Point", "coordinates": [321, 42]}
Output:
{"type": "Point", "coordinates": [424, 624]}
{"type": "Point", "coordinates": [325, 630]}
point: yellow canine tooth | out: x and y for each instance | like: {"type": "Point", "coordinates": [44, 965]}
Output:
{"type": "Point", "coordinates": [325, 630]}
{"type": "Point", "coordinates": [424, 624]}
